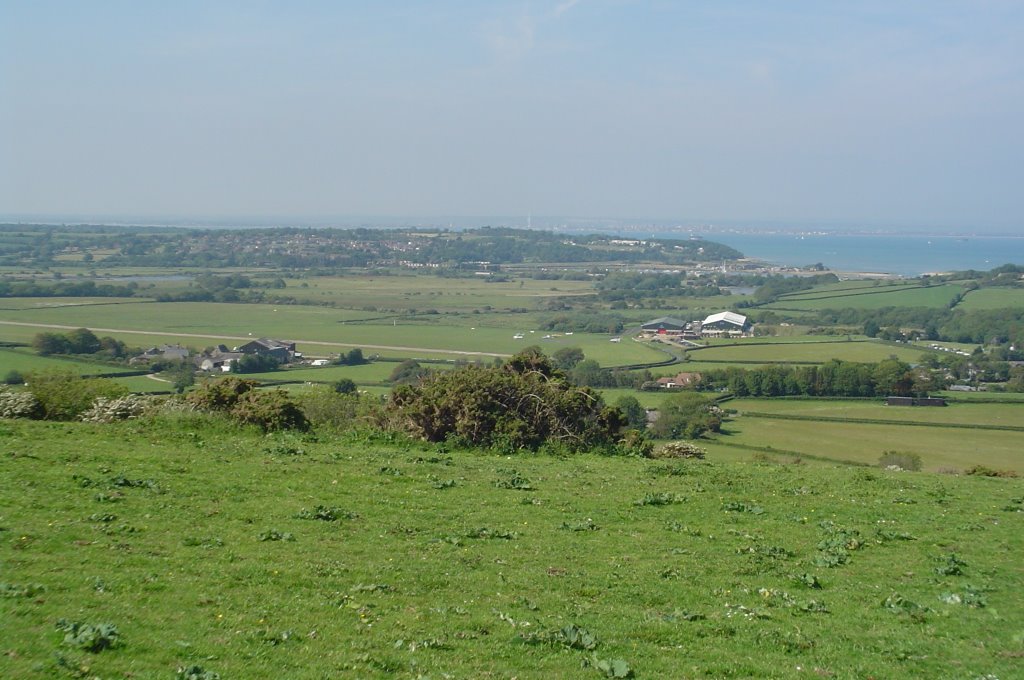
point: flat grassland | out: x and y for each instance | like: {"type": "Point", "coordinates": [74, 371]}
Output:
{"type": "Point", "coordinates": [875, 409]}
{"type": "Point", "coordinates": [276, 557]}
{"type": "Point", "coordinates": [805, 352]}
{"type": "Point", "coordinates": [205, 323]}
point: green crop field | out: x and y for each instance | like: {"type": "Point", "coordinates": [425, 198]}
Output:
{"type": "Point", "coordinates": [993, 298]}
{"type": "Point", "coordinates": [900, 296]}
{"type": "Point", "coordinates": [192, 545]}
{"type": "Point", "coordinates": [939, 447]}
{"type": "Point", "coordinates": [866, 351]}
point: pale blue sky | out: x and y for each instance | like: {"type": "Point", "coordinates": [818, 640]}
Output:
{"type": "Point", "coordinates": [880, 112]}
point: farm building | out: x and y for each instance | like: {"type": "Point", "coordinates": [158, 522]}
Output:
{"type": "Point", "coordinates": [281, 350]}
{"type": "Point", "coordinates": [724, 323]}
{"type": "Point", "coordinates": [219, 361]}
{"type": "Point", "coordinates": [666, 325]}
{"type": "Point", "coordinates": [163, 352]}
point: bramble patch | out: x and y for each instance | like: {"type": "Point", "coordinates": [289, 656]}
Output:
{"type": "Point", "coordinates": [89, 637]}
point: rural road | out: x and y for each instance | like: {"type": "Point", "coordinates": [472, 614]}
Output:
{"type": "Point", "coordinates": [321, 343]}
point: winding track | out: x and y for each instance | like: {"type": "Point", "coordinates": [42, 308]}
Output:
{"type": "Point", "coordinates": [398, 348]}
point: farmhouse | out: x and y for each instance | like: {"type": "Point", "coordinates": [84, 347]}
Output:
{"type": "Point", "coordinates": [724, 324]}
{"type": "Point", "coordinates": [282, 350]}
{"type": "Point", "coordinates": [219, 361]}
{"type": "Point", "coordinates": [679, 380]}
{"type": "Point", "coordinates": [162, 352]}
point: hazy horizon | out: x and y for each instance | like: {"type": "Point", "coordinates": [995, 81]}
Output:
{"type": "Point", "coordinates": [834, 116]}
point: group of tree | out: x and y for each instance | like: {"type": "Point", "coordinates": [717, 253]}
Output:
{"type": "Point", "coordinates": [834, 378]}
{"type": "Point", "coordinates": [84, 288]}
{"type": "Point", "coordinates": [79, 341]}
{"type": "Point", "coordinates": [354, 357]}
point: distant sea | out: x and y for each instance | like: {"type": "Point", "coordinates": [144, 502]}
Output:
{"type": "Point", "coordinates": [902, 255]}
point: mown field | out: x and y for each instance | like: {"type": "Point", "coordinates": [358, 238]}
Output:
{"type": "Point", "coordinates": [875, 409]}
{"type": "Point", "coordinates": [278, 557]}
{"type": "Point", "coordinates": [805, 352]}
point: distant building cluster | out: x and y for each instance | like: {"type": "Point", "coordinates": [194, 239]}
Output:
{"type": "Point", "coordinates": [722, 324]}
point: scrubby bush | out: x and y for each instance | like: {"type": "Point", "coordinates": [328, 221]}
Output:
{"type": "Point", "coordinates": [687, 414]}
{"type": "Point", "coordinates": [19, 405]}
{"type": "Point", "coordinates": [269, 410]}
{"type": "Point", "coordinates": [521, 405]}
{"type": "Point", "coordinates": [326, 407]}
{"type": "Point", "coordinates": [65, 396]}
{"type": "Point", "coordinates": [220, 395]}
{"type": "Point", "coordinates": [904, 460]}
{"type": "Point", "coordinates": [106, 410]}
{"type": "Point", "coordinates": [14, 377]}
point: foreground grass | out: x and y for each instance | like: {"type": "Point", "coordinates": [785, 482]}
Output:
{"type": "Point", "coordinates": [466, 565]}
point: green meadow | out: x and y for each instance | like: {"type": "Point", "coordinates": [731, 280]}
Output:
{"type": "Point", "coordinates": [806, 352]}
{"type": "Point", "coordinates": [156, 549]}
{"type": "Point", "coordinates": [25, 360]}
{"type": "Point", "coordinates": [896, 296]}
{"type": "Point", "coordinates": [992, 298]}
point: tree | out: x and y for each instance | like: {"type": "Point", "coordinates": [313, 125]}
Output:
{"type": "Point", "coordinates": [50, 343]}
{"type": "Point", "coordinates": [254, 363]}
{"type": "Point", "coordinates": [635, 413]}
{"type": "Point", "coordinates": [82, 341]}
{"type": "Point", "coordinates": [686, 414]}
{"type": "Point", "coordinates": [871, 328]}
{"type": "Point", "coordinates": [409, 371]}
{"type": "Point", "coordinates": [566, 358]}
{"type": "Point", "coordinates": [344, 386]}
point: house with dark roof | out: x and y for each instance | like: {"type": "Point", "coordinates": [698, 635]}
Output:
{"type": "Point", "coordinates": [666, 325]}
{"type": "Point", "coordinates": [282, 350]}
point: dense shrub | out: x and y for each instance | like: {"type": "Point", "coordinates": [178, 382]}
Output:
{"type": "Point", "coordinates": [326, 407]}
{"type": "Point", "coordinates": [220, 395]}
{"type": "Point", "coordinates": [679, 450]}
{"type": "Point", "coordinates": [686, 414]}
{"type": "Point", "coordinates": [269, 410]}
{"type": "Point", "coordinates": [65, 395]}
{"type": "Point", "coordinates": [903, 460]}
{"type": "Point", "coordinates": [19, 405]}
{"type": "Point", "coordinates": [520, 405]}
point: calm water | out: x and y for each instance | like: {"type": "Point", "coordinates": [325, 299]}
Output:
{"type": "Point", "coordinates": [905, 255]}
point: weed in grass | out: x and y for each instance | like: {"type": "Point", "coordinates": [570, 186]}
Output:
{"type": "Point", "coordinates": [675, 525]}
{"type": "Point", "coordinates": [569, 637]}
{"type": "Point", "coordinates": [371, 588]}
{"type": "Point", "coordinates": [950, 565]}
{"type": "Point", "coordinates": [388, 470]}
{"type": "Point", "coordinates": [11, 590]}
{"type": "Point", "coordinates": [610, 668]}
{"type": "Point", "coordinates": [886, 535]}
{"type": "Point", "coordinates": [195, 673]}
{"type": "Point", "coordinates": [204, 542]}
{"type": "Point", "coordinates": [807, 580]}
{"type": "Point", "coordinates": [89, 637]}
{"type": "Point", "coordinates": [413, 645]}
{"type": "Point", "coordinates": [102, 517]}
{"type": "Point", "coordinates": [484, 532]}
{"type": "Point", "coordinates": [274, 535]}
{"type": "Point", "coordinates": [583, 525]}
{"type": "Point", "coordinates": [513, 480]}
{"type": "Point", "coordinates": [442, 483]}
{"type": "Point", "coordinates": [326, 514]}
{"type": "Point", "coordinates": [126, 483]}
{"type": "Point", "coordinates": [735, 506]}
{"type": "Point", "coordinates": [663, 498]}
{"type": "Point", "coordinates": [283, 449]}
{"type": "Point", "coordinates": [897, 604]}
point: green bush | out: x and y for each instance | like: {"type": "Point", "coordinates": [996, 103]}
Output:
{"type": "Point", "coordinates": [221, 394]}
{"type": "Point", "coordinates": [269, 410]}
{"type": "Point", "coordinates": [523, 404]}
{"type": "Point", "coordinates": [64, 395]}
{"type": "Point", "coordinates": [326, 407]}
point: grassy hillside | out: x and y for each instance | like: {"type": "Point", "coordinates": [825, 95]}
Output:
{"type": "Point", "coordinates": [254, 556]}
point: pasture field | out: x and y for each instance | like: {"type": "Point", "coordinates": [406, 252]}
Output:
{"type": "Point", "coordinates": [223, 550]}
{"type": "Point", "coordinates": [26, 360]}
{"type": "Point", "coordinates": [10, 304]}
{"type": "Point", "coordinates": [200, 324]}
{"type": "Point", "coordinates": [865, 351]}
{"type": "Point", "coordinates": [849, 287]}
{"type": "Point", "coordinates": [983, 396]}
{"type": "Point", "coordinates": [960, 414]}
{"type": "Point", "coordinates": [993, 298]}
{"type": "Point", "coordinates": [373, 372]}
{"type": "Point", "coordinates": [420, 292]}
{"type": "Point", "coordinates": [899, 296]}
{"type": "Point", "coordinates": [940, 448]}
